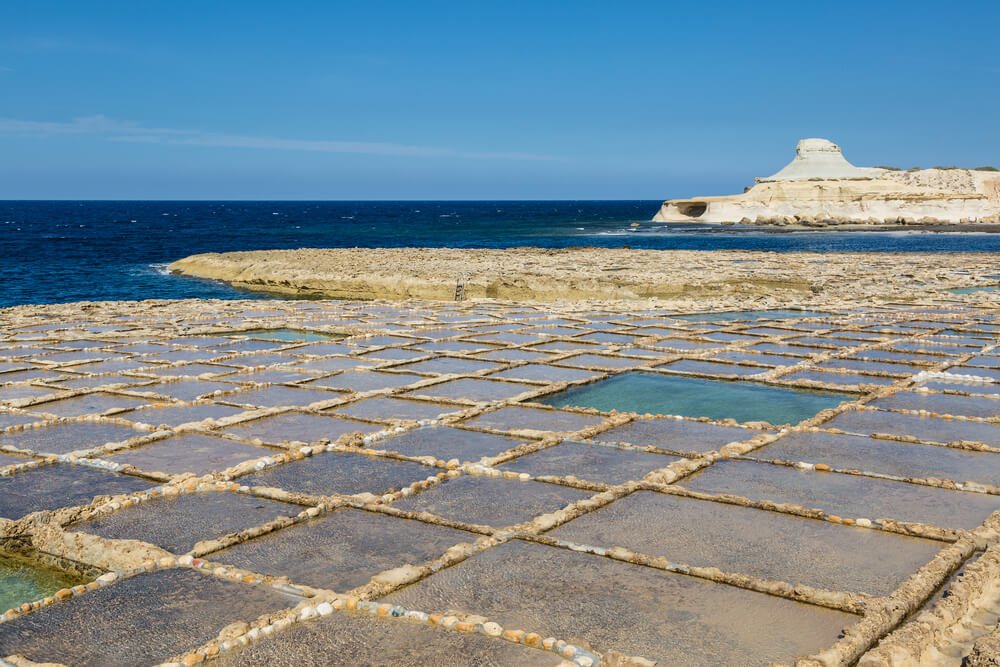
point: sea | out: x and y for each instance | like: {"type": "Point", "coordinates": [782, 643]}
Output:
{"type": "Point", "coordinates": [61, 251]}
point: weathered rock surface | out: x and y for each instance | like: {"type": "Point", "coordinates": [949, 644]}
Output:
{"type": "Point", "coordinates": [687, 278]}
{"type": "Point", "coordinates": [821, 188]}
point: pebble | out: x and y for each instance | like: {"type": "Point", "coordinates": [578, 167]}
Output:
{"type": "Point", "coordinates": [492, 629]}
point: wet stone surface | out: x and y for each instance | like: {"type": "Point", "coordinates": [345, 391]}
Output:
{"type": "Point", "coordinates": [966, 406]}
{"type": "Point", "coordinates": [390, 409]}
{"type": "Point", "coordinates": [627, 608]}
{"type": "Point", "coordinates": [60, 485]}
{"type": "Point", "coordinates": [175, 415]}
{"type": "Point", "coordinates": [297, 427]}
{"type": "Point", "coordinates": [339, 472]}
{"type": "Point", "coordinates": [841, 379]}
{"type": "Point", "coordinates": [111, 626]}
{"type": "Point", "coordinates": [930, 429]}
{"type": "Point", "coordinates": [63, 438]}
{"type": "Point", "coordinates": [188, 390]}
{"type": "Point", "coordinates": [676, 434]}
{"type": "Point", "coordinates": [845, 495]}
{"type": "Point", "coordinates": [710, 368]}
{"type": "Point", "coordinates": [746, 540]}
{"type": "Point", "coordinates": [489, 501]}
{"type": "Point", "coordinates": [10, 459]}
{"type": "Point", "coordinates": [603, 362]}
{"type": "Point", "coordinates": [384, 643]}
{"type": "Point", "coordinates": [595, 463]}
{"type": "Point", "coordinates": [446, 443]}
{"type": "Point", "coordinates": [342, 550]}
{"type": "Point", "coordinates": [198, 454]}
{"type": "Point", "coordinates": [851, 452]}
{"type": "Point", "coordinates": [8, 419]}
{"type": "Point", "coordinates": [89, 404]}
{"type": "Point", "coordinates": [360, 381]}
{"type": "Point", "coordinates": [448, 365]}
{"type": "Point", "coordinates": [532, 419]}
{"type": "Point", "coordinates": [475, 390]}
{"type": "Point", "coordinates": [177, 524]}
{"type": "Point", "coordinates": [279, 396]}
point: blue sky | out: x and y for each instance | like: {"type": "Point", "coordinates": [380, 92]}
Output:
{"type": "Point", "coordinates": [479, 100]}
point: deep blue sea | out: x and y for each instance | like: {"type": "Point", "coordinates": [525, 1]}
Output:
{"type": "Point", "coordinates": [54, 252]}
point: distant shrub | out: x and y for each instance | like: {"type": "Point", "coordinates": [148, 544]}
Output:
{"type": "Point", "coordinates": [883, 166]}
{"type": "Point", "coordinates": [913, 169]}
{"type": "Point", "coordinates": [985, 169]}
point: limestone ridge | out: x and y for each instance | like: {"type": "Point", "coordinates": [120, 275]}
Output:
{"type": "Point", "coordinates": [820, 187]}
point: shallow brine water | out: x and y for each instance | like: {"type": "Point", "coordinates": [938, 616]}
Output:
{"type": "Point", "coordinates": [22, 581]}
{"type": "Point", "coordinates": [657, 393]}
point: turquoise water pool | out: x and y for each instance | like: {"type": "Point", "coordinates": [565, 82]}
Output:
{"type": "Point", "coordinates": [661, 393]}
{"type": "Point", "coordinates": [23, 581]}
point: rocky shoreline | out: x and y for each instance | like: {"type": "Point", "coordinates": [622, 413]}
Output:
{"type": "Point", "coordinates": [677, 278]}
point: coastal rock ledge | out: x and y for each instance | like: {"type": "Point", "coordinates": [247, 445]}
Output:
{"type": "Point", "coordinates": [821, 188]}
{"type": "Point", "coordinates": [698, 278]}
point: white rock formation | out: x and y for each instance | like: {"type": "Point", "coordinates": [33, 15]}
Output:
{"type": "Point", "coordinates": [820, 187]}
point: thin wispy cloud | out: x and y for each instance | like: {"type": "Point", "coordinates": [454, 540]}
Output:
{"type": "Point", "coordinates": [112, 129]}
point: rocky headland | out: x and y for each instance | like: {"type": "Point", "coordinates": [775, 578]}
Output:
{"type": "Point", "coordinates": [683, 278]}
{"type": "Point", "coordinates": [820, 188]}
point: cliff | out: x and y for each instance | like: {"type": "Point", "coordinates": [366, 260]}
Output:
{"type": "Point", "coordinates": [820, 187]}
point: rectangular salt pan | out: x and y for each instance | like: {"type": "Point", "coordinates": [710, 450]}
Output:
{"type": "Point", "coordinates": [764, 544]}
{"type": "Point", "coordinates": [383, 643]}
{"type": "Point", "coordinates": [631, 609]}
{"type": "Point", "coordinates": [156, 616]}
{"type": "Point", "coordinates": [342, 550]}
{"type": "Point", "coordinates": [60, 485]}
{"type": "Point", "coordinates": [698, 397]}
{"type": "Point", "coordinates": [177, 524]}
{"type": "Point", "coordinates": [852, 452]}
{"type": "Point", "coordinates": [929, 429]}
{"type": "Point", "coordinates": [595, 463]}
{"type": "Point", "coordinates": [845, 495]}
{"type": "Point", "coordinates": [491, 501]}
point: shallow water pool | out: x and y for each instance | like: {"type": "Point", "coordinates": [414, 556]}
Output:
{"type": "Point", "coordinates": [660, 393]}
{"type": "Point", "coordinates": [23, 581]}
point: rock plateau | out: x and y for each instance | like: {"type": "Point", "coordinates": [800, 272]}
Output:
{"type": "Point", "coordinates": [820, 188]}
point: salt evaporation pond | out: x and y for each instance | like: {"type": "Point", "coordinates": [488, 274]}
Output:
{"type": "Point", "coordinates": [660, 393]}
{"type": "Point", "coordinates": [21, 581]}
{"type": "Point", "coordinates": [289, 335]}
{"type": "Point", "coordinates": [749, 315]}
